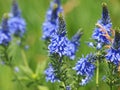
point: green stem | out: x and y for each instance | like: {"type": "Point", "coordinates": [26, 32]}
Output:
{"type": "Point", "coordinates": [97, 75]}
{"type": "Point", "coordinates": [110, 87]}
{"type": "Point", "coordinates": [24, 58]}
{"type": "Point", "coordinates": [111, 68]}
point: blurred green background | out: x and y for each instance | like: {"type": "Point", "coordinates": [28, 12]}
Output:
{"type": "Point", "coordinates": [78, 14]}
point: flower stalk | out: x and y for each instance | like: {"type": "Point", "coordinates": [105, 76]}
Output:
{"type": "Point", "coordinates": [97, 75]}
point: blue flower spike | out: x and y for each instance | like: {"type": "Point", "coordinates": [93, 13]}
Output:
{"type": "Point", "coordinates": [50, 75]}
{"type": "Point", "coordinates": [116, 41]}
{"type": "Point", "coordinates": [103, 31]}
{"type": "Point", "coordinates": [15, 9]}
{"type": "Point", "coordinates": [113, 54]}
{"type": "Point", "coordinates": [16, 23]}
{"type": "Point", "coordinates": [105, 14]}
{"type": "Point", "coordinates": [85, 68]}
{"type": "Point", "coordinates": [61, 25]}
{"type": "Point", "coordinates": [51, 23]}
{"type": "Point", "coordinates": [5, 37]}
{"type": "Point", "coordinates": [73, 45]}
{"type": "Point", "coordinates": [59, 41]}
{"type": "Point", "coordinates": [54, 9]}
{"type": "Point", "coordinates": [76, 38]}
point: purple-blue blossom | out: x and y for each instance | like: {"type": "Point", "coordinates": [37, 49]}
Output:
{"type": "Point", "coordinates": [5, 36]}
{"type": "Point", "coordinates": [53, 11]}
{"type": "Point", "coordinates": [70, 50]}
{"type": "Point", "coordinates": [58, 45]}
{"type": "Point", "coordinates": [68, 88]}
{"type": "Point", "coordinates": [51, 23]}
{"type": "Point", "coordinates": [50, 74]}
{"type": "Point", "coordinates": [76, 38]}
{"type": "Point", "coordinates": [73, 45]}
{"type": "Point", "coordinates": [16, 69]}
{"type": "Point", "coordinates": [59, 41]}
{"type": "Point", "coordinates": [15, 11]}
{"type": "Point", "coordinates": [113, 54]}
{"type": "Point", "coordinates": [105, 23]}
{"type": "Point", "coordinates": [17, 24]}
{"type": "Point", "coordinates": [26, 47]}
{"type": "Point", "coordinates": [91, 44]}
{"type": "Point", "coordinates": [84, 67]}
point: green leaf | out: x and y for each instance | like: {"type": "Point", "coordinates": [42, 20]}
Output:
{"type": "Point", "coordinates": [40, 68]}
{"type": "Point", "coordinates": [42, 88]}
{"type": "Point", "coordinates": [27, 71]}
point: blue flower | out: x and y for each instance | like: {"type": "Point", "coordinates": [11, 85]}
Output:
{"type": "Point", "coordinates": [15, 11]}
{"type": "Point", "coordinates": [103, 23]}
{"type": "Point", "coordinates": [72, 45]}
{"type": "Point", "coordinates": [58, 45]}
{"type": "Point", "coordinates": [91, 44]}
{"type": "Point", "coordinates": [26, 47]}
{"type": "Point", "coordinates": [70, 50]}
{"type": "Point", "coordinates": [113, 54]}
{"type": "Point", "coordinates": [116, 41]}
{"type": "Point", "coordinates": [59, 41]}
{"type": "Point", "coordinates": [85, 68]}
{"type": "Point", "coordinates": [62, 46]}
{"type": "Point", "coordinates": [50, 75]}
{"type": "Point", "coordinates": [17, 24]}
{"type": "Point", "coordinates": [68, 88]}
{"type": "Point", "coordinates": [76, 38]}
{"type": "Point", "coordinates": [99, 45]}
{"type": "Point", "coordinates": [49, 30]}
{"type": "Point", "coordinates": [86, 80]}
{"type": "Point", "coordinates": [16, 69]}
{"type": "Point", "coordinates": [51, 23]}
{"type": "Point", "coordinates": [53, 11]}
{"type": "Point", "coordinates": [5, 36]}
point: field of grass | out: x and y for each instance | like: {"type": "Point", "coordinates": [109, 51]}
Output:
{"type": "Point", "coordinates": [79, 14]}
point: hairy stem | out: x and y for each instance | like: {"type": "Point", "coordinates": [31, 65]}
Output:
{"type": "Point", "coordinates": [97, 75]}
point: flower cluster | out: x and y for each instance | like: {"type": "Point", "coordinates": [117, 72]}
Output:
{"type": "Point", "coordinates": [59, 40]}
{"type": "Point", "coordinates": [113, 54]}
{"type": "Point", "coordinates": [5, 37]}
{"type": "Point", "coordinates": [17, 24]}
{"type": "Point", "coordinates": [103, 27]}
{"type": "Point", "coordinates": [54, 30]}
{"type": "Point", "coordinates": [60, 43]}
{"type": "Point", "coordinates": [50, 74]}
{"type": "Point", "coordinates": [50, 25]}
{"type": "Point", "coordinates": [85, 68]}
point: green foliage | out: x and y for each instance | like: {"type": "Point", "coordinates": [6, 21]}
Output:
{"type": "Point", "coordinates": [82, 16]}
